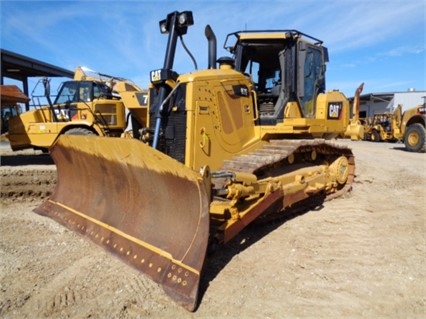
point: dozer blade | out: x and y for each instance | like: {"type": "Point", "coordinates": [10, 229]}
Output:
{"type": "Point", "coordinates": [141, 205]}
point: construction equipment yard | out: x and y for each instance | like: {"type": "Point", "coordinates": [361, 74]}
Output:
{"type": "Point", "coordinates": [361, 255]}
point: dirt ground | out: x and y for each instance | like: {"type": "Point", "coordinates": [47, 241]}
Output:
{"type": "Point", "coordinates": [359, 256]}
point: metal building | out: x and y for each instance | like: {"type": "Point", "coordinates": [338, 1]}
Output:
{"type": "Point", "coordinates": [373, 103]}
{"type": "Point", "coordinates": [19, 67]}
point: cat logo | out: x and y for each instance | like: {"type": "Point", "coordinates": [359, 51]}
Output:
{"type": "Point", "coordinates": [334, 110]}
{"type": "Point", "coordinates": [155, 75]}
{"type": "Point", "coordinates": [240, 90]}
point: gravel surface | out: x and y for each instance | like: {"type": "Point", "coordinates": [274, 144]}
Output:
{"type": "Point", "coordinates": [360, 256]}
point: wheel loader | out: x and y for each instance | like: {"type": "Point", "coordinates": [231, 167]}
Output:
{"type": "Point", "coordinates": [86, 105]}
{"type": "Point", "coordinates": [413, 128]}
{"type": "Point", "coordinates": [383, 126]}
{"type": "Point", "coordinates": [241, 140]}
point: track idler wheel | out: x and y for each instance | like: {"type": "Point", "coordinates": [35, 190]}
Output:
{"type": "Point", "coordinates": [339, 170]}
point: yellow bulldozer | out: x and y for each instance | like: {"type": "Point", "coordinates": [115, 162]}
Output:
{"type": "Point", "coordinates": [243, 139]}
{"type": "Point", "coordinates": [101, 105]}
{"type": "Point", "coordinates": [407, 126]}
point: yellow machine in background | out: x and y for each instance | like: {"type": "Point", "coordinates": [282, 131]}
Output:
{"type": "Point", "coordinates": [383, 126]}
{"type": "Point", "coordinates": [408, 127]}
{"type": "Point", "coordinates": [222, 147]}
{"type": "Point", "coordinates": [413, 129]}
{"type": "Point", "coordinates": [86, 105]}
{"type": "Point", "coordinates": [11, 96]}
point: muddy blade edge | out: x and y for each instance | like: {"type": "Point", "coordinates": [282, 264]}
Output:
{"type": "Point", "coordinates": [137, 203]}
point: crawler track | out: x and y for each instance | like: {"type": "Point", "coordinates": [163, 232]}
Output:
{"type": "Point", "coordinates": [279, 152]}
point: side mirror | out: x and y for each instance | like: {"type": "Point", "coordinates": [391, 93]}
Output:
{"type": "Point", "coordinates": [46, 84]}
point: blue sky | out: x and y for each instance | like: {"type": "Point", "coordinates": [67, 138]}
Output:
{"type": "Point", "coordinates": [380, 42]}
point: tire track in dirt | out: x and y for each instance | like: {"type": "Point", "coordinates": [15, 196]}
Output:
{"type": "Point", "coordinates": [27, 183]}
{"type": "Point", "coordinates": [58, 292]}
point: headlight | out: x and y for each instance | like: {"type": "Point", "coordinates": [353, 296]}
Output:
{"type": "Point", "coordinates": [181, 21]}
{"type": "Point", "coordinates": [185, 19]}
{"type": "Point", "coordinates": [163, 26]}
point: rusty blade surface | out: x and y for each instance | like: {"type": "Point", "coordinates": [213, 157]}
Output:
{"type": "Point", "coordinates": [136, 202]}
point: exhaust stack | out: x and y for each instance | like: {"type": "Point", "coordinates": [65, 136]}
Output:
{"type": "Point", "coordinates": [212, 47]}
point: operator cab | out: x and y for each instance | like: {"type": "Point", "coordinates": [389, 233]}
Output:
{"type": "Point", "coordinates": [82, 91]}
{"type": "Point", "coordinates": [284, 68]}
{"type": "Point", "coordinates": [7, 112]}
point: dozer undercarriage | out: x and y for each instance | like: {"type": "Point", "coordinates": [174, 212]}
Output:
{"type": "Point", "coordinates": [276, 177]}
{"type": "Point", "coordinates": [209, 163]}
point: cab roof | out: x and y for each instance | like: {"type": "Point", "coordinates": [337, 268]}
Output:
{"type": "Point", "coordinates": [234, 38]}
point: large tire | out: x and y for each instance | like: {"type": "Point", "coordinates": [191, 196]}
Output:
{"type": "Point", "coordinates": [375, 136]}
{"type": "Point", "coordinates": [79, 131]}
{"type": "Point", "coordinates": [414, 138]}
